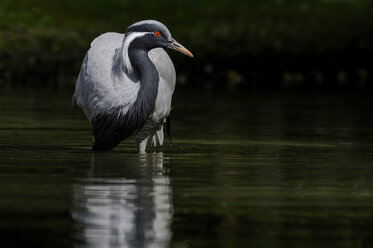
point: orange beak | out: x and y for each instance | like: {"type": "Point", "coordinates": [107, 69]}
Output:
{"type": "Point", "coordinates": [178, 47]}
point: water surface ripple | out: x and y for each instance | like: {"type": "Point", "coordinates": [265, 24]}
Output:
{"type": "Point", "coordinates": [246, 170]}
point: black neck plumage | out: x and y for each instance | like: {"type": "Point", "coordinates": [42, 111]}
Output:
{"type": "Point", "coordinates": [147, 94]}
{"type": "Point", "coordinates": [109, 129]}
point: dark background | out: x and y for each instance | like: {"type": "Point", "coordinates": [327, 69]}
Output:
{"type": "Point", "coordinates": [269, 44]}
{"type": "Point", "coordinates": [272, 147]}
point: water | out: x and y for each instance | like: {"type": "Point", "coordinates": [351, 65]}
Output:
{"type": "Point", "coordinates": [247, 170]}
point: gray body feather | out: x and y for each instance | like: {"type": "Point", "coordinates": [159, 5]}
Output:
{"type": "Point", "coordinates": [104, 89]}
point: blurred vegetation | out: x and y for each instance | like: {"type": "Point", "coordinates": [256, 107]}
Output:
{"type": "Point", "coordinates": [237, 44]}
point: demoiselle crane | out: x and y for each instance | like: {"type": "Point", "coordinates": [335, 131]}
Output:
{"type": "Point", "coordinates": [126, 83]}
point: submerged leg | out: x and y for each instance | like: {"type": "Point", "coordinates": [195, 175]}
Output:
{"type": "Point", "coordinates": [154, 141]}
{"type": "Point", "coordinates": [160, 136]}
{"type": "Point", "coordinates": [141, 145]}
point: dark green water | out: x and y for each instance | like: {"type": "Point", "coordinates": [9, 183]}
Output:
{"type": "Point", "coordinates": [248, 170]}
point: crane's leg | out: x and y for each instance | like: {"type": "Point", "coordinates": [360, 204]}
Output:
{"type": "Point", "coordinates": [158, 137]}
{"type": "Point", "coordinates": [141, 145]}
{"type": "Point", "coordinates": [154, 140]}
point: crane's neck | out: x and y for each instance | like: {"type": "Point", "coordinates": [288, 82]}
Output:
{"type": "Point", "coordinates": [147, 74]}
{"type": "Point", "coordinates": [144, 70]}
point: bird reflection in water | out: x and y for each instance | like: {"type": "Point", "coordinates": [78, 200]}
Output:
{"type": "Point", "coordinates": [125, 202]}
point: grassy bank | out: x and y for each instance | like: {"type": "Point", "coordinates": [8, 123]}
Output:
{"type": "Point", "coordinates": [241, 43]}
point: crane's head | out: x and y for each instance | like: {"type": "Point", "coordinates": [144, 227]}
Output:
{"type": "Point", "coordinates": [151, 34]}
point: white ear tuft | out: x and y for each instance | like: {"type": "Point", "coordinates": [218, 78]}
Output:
{"type": "Point", "coordinates": [126, 43]}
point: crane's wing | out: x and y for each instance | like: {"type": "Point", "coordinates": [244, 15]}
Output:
{"type": "Point", "coordinates": [166, 86]}
{"type": "Point", "coordinates": [105, 93]}
{"type": "Point", "coordinates": [99, 88]}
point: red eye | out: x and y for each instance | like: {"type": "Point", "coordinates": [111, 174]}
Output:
{"type": "Point", "coordinates": [156, 33]}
